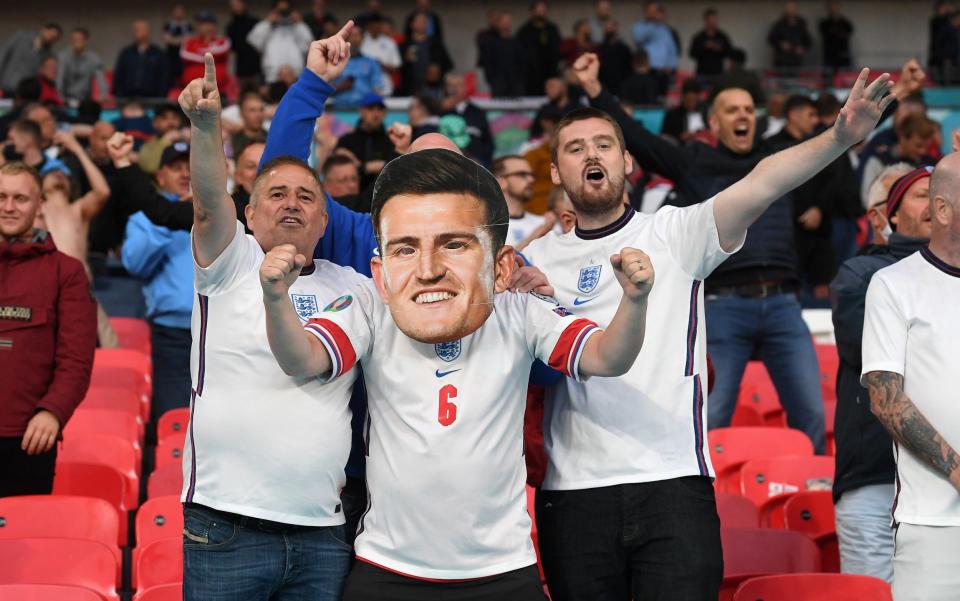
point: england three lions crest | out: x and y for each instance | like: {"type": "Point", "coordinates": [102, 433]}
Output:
{"type": "Point", "coordinates": [448, 351]}
{"type": "Point", "coordinates": [305, 305]}
{"type": "Point", "coordinates": [589, 278]}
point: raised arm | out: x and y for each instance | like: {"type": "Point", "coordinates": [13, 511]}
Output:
{"type": "Point", "coordinates": [92, 202]}
{"type": "Point", "coordinates": [214, 214]}
{"type": "Point", "coordinates": [299, 353]}
{"type": "Point", "coordinates": [613, 351]}
{"type": "Point", "coordinates": [737, 207]}
{"type": "Point", "coordinates": [900, 416]}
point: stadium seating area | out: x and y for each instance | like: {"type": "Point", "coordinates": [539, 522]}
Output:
{"type": "Point", "coordinates": [110, 531]}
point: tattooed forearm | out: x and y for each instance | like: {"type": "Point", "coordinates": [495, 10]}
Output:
{"type": "Point", "coordinates": [908, 426]}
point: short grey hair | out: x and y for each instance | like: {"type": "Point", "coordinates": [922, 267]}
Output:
{"type": "Point", "coordinates": [878, 191]}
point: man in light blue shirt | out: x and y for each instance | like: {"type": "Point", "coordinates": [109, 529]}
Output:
{"type": "Point", "coordinates": [161, 259]}
{"type": "Point", "coordinates": [660, 41]}
{"type": "Point", "coordinates": [362, 76]}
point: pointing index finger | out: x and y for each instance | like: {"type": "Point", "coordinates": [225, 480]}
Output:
{"type": "Point", "coordinates": [209, 73]}
{"type": "Point", "coordinates": [345, 30]}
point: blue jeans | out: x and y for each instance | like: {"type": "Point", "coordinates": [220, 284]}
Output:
{"type": "Point", "coordinates": [772, 327]}
{"type": "Point", "coordinates": [226, 558]}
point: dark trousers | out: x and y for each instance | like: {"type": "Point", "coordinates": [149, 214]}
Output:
{"type": "Point", "coordinates": [22, 474]}
{"type": "Point", "coordinates": [354, 500]}
{"type": "Point", "coordinates": [647, 541]}
{"type": "Point", "coordinates": [171, 369]}
{"type": "Point", "coordinates": [370, 583]}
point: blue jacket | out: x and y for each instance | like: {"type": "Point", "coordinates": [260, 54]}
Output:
{"type": "Point", "coordinates": [349, 239]}
{"type": "Point", "coordinates": [864, 454]}
{"type": "Point", "coordinates": [367, 78]}
{"type": "Point", "coordinates": [162, 259]}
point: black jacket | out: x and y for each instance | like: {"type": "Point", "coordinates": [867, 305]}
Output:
{"type": "Point", "coordinates": [540, 47]}
{"type": "Point", "coordinates": [864, 450]}
{"type": "Point", "coordinates": [710, 60]}
{"type": "Point", "coordinates": [699, 172]}
{"type": "Point", "coordinates": [248, 59]}
{"type": "Point", "coordinates": [481, 139]}
{"type": "Point", "coordinates": [141, 75]}
{"type": "Point", "coordinates": [368, 146]}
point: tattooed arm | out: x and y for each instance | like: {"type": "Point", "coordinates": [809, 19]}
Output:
{"type": "Point", "coordinates": [908, 426]}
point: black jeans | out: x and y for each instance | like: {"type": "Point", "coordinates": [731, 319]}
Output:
{"type": "Point", "coordinates": [22, 474]}
{"type": "Point", "coordinates": [649, 541]}
{"type": "Point", "coordinates": [171, 369]}
{"type": "Point", "coordinates": [370, 583]}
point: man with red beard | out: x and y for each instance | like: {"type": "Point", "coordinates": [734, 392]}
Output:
{"type": "Point", "coordinates": [446, 354]}
{"type": "Point", "coordinates": [627, 508]}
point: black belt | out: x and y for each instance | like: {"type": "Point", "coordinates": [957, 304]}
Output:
{"type": "Point", "coordinates": [753, 290]}
{"type": "Point", "coordinates": [251, 523]}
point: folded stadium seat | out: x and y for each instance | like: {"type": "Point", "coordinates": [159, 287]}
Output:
{"type": "Point", "coordinates": [770, 482]}
{"type": "Point", "coordinates": [84, 563]}
{"type": "Point", "coordinates": [55, 516]}
{"type": "Point", "coordinates": [164, 592]}
{"type": "Point", "coordinates": [46, 592]}
{"type": "Point", "coordinates": [731, 447]}
{"type": "Point", "coordinates": [822, 587]}
{"type": "Point", "coordinates": [116, 398]}
{"type": "Point", "coordinates": [829, 362]}
{"type": "Point", "coordinates": [173, 422]}
{"type": "Point", "coordinates": [830, 416]}
{"type": "Point", "coordinates": [105, 421]}
{"type": "Point", "coordinates": [811, 512]}
{"type": "Point", "coordinates": [109, 366]}
{"type": "Point", "coordinates": [745, 416]}
{"type": "Point", "coordinates": [105, 449]}
{"type": "Point", "coordinates": [157, 519]}
{"type": "Point", "coordinates": [736, 511]}
{"type": "Point", "coordinates": [165, 481]}
{"type": "Point", "coordinates": [169, 451]}
{"type": "Point", "coordinates": [132, 333]}
{"type": "Point", "coordinates": [750, 552]}
{"type": "Point", "coordinates": [123, 377]}
{"type": "Point", "coordinates": [158, 563]}
{"type": "Point", "coordinates": [757, 391]}
{"type": "Point", "coordinates": [97, 481]}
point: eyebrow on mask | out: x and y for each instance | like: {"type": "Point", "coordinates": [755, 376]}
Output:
{"type": "Point", "coordinates": [438, 240]}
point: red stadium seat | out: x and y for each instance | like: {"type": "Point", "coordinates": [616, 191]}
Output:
{"type": "Point", "coordinates": [736, 511]}
{"type": "Point", "coordinates": [822, 587]}
{"type": "Point", "coordinates": [731, 447]}
{"type": "Point", "coordinates": [829, 362]}
{"type": "Point", "coordinates": [115, 399]}
{"type": "Point", "coordinates": [749, 552]}
{"type": "Point", "coordinates": [105, 421]}
{"type": "Point", "coordinates": [173, 422]}
{"type": "Point", "coordinates": [757, 391]}
{"type": "Point", "coordinates": [811, 513]}
{"type": "Point", "coordinates": [165, 481]}
{"type": "Point", "coordinates": [97, 481]}
{"type": "Point", "coordinates": [137, 361]}
{"type": "Point", "coordinates": [159, 563]}
{"type": "Point", "coordinates": [745, 416]}
{"type": "Point", "coordinates": [164, 592]}
{"type": "Point", "coordinates": [46, 592]}
{"type": "Point", "coordinates": [770, 482]}
{"type": "Point", "coordinates": [109, 450]}
{"type": "Point", "coordinates": [829, 416]}
{"type": "Point", "coordinates": [83, 563]}
{"type": "Point", "coordinates": [132, 333]}
{"type": "Point", "coordinates": [157, 519]}
{"type": "Point", "coordinates": [169, 451]}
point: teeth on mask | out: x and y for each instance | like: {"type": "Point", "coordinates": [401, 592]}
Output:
{"type": "Point", "coordinates": [432, 297]}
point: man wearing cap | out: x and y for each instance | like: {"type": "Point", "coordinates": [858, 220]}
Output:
{"type": "Point", "coordinates": [369, 142]}
{"type": "Point", "coordinates": [161, 259]}
{"type": "Point", "coordinates": [205, 40]}
{"type": "Point", "coordinates": [863, 487]}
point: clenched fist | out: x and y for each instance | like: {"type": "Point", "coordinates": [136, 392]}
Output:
{"type": "Point", "coordinates": [119, 147]}
{"type": "Point", "coordinates": [200, 100]}
{"type": "Point", "coordinates": [634, 271]}
{"type": "Point", "coordinates": [279, 270]}
{"type": "Point", "coordinates": [587, 70]}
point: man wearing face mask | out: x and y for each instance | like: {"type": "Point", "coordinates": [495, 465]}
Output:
{"type": "Point", "coordinates": [863, 488]}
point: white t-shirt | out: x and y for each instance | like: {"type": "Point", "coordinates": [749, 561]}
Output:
{"type": "Point", "coordinates": [261, 443]}
{"type": "Point", "coordinates": [445, 466]}
{"type": "Point", "coordinates": [912, 327]}
{"type": "Point", "coordinates": [650, 423]}
{"type": "Point", "coordinates": [521, 227]}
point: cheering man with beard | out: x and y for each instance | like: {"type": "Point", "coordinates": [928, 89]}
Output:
{"type": "Point", "coordinates": [627, 508]}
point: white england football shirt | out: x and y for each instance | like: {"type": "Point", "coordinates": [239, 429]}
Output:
{"type": "Point", "coordinates": [445, 467]}
{"type": "Point", "coordinates": [650, 423]}
{"type": "Point", "coordinates": [912, 327]}
{"type": "Point", "coordinates": [521, 227]}
{"type": "Point", "coordinates": [261, 443]}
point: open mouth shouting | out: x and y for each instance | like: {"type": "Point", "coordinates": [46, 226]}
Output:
{"type": "Point", "coordinates": [594, 175]}
{"type": "Point", "coordinates": [290, 221]}
{"type": "Point", "coordinates": [741, 131]}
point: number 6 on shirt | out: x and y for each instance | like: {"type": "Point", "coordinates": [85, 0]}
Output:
{"type": "Point", "coordinates": [447, 412]}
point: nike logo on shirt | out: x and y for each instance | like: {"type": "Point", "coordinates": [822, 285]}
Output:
{"type": "Point", "coordinates": [577, 302]}
{"type": "Point", "coordinates": [441, 374]}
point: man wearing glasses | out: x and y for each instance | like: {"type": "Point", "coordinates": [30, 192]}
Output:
{"type": "Point", "coordinates": [516, 180]}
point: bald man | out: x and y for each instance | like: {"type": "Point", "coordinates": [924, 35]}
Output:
{"type": "Point", "coordinates": [912, 320]}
